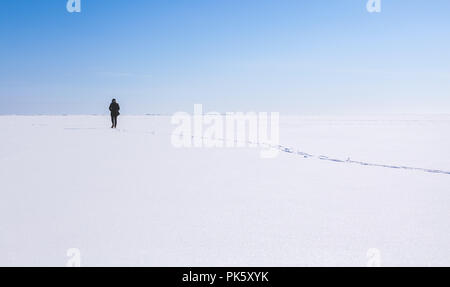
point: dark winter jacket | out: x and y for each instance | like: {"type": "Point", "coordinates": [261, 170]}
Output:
{"type": "Point", "coordinates": [114, 108]}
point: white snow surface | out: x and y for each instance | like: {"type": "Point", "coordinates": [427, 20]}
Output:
{"type": "Point", "coordinates": [127, 197]}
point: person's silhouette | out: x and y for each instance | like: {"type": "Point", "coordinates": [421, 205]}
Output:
{"type": "Point", "coordinates": [114, 108]}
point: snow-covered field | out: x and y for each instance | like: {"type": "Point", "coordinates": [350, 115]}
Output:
{"type": "Point", "coordinates": [126, 197]}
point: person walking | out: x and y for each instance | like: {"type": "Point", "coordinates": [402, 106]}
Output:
{"type": "Point", "coordinates": [114, 108]}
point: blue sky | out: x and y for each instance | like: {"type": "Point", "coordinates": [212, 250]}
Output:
{"type": "Point", "coordinates": [162, 56]}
